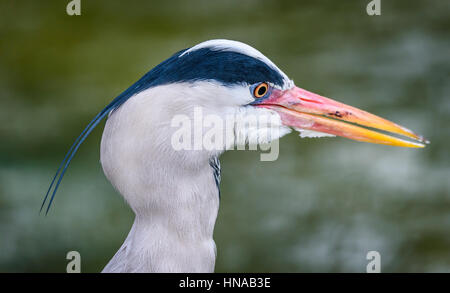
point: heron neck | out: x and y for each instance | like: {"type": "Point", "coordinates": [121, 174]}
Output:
{"type": "Point", "coordinates": [173, 193]}
{"type": "Point", "coordinates": [174, 223]}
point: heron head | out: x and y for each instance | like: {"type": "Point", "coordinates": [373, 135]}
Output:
{"type": "Point", "coordinates": [225, 77]}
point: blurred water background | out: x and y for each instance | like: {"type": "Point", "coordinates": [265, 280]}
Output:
{"type": "Point", "coordinates": [319, 208]}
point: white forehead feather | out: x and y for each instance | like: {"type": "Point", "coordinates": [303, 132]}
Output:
{"type": "Point", "coordinates": [239, 47]}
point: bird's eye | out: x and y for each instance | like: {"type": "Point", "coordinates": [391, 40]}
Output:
{"type": "Point", "coordinates": [261, 90]}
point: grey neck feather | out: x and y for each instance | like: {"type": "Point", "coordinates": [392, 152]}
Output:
{"type": "Point", "coordinates": [173, 194]}
{"type": "Point", "coordinates": [173, 237]}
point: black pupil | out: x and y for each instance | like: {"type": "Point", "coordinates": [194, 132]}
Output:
{"type": "Point", "coordinates": [262, 90]}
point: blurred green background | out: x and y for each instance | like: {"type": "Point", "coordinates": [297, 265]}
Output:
{"type": "Point", "coordinates": [319, 208]}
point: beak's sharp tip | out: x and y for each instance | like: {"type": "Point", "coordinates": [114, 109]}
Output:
{"type": "Point", "coordinates": [424, 140]}
{"type": "Point", "coordinates": [421, 139]}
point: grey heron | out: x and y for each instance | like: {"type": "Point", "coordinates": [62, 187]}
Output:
{"type": "Point", "coordinates": [175, 193]}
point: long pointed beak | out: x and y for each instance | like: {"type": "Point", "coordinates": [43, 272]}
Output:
{"type": "Point", "coordinates": [302, 109]}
